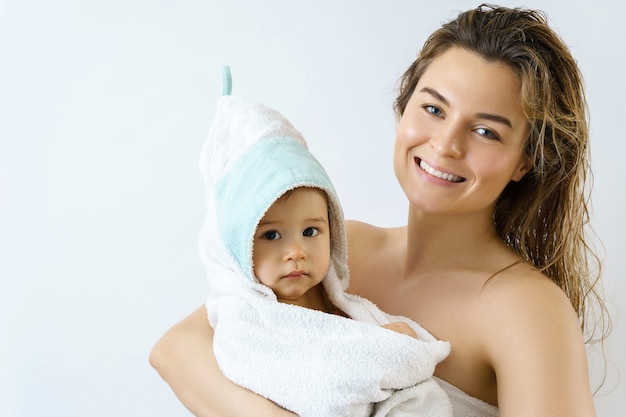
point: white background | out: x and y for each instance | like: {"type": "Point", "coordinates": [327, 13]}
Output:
{"type": "Point", "coordinates": [104, 106]}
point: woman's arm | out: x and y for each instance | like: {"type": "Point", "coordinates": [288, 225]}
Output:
{"type": "Point", "coordinates": [184, 359]}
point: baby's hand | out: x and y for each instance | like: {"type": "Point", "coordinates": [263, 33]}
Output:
{"type": "Point", "coordinates": [401, 327]}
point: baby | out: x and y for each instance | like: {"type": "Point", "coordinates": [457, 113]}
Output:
{"type": "Point", "coordinates": [274, 246]}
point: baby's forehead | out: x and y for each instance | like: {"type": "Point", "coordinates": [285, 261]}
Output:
{"type": "Point", "coordinates": [303, 203]}
{"type": "Point", "coordinates": [301, 198]}
{"type": "Point", "coordinates": [304, 190]}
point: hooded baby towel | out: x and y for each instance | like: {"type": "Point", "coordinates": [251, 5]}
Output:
{"type": "Point", "coordinates": [310, 362]}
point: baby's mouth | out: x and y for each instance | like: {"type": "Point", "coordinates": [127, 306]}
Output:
{"type": "Point", "coordinates": [432, 171]}
{"type": "Point", "coordinates": [295, 274]}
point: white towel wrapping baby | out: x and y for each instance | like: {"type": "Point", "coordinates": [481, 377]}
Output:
{"type": "Point", "coordinates": [307, 361]}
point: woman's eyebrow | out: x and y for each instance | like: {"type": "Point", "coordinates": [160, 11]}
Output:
{"type": "Point", "coordinates": [488, 116]}
{"type": "Point", "coordinates": [495, 118]}
{"type": "Point", "coordinates": [435, 94]}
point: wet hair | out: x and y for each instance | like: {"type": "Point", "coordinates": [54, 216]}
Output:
{"type": "Point", "coordinates": [544, 217]}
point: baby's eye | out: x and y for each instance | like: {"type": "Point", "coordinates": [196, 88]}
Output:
{"type": "Point", "coordinates": [487, 133]}
{"type": "Point", "coordinates": [310, 232]}
{"type": "Point", "coordinates": [435, 111]}
{"type": "Point", "coordinates": [271, 235]}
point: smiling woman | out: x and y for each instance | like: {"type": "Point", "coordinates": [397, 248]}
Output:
{"type": "Point", "coordinates": [104, 106]}
{"type": "Point", "coordinates": [464, 127]}
{"type": "Point", "coordinates": [491, 152]}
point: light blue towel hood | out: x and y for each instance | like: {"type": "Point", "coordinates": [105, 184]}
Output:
{"type": "Point", "coordinates": [259, 157]}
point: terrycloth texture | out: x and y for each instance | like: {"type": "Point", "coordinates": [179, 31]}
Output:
{"type": "Point", "coordinates": [307, 361]}
{"type": "Point", "coordinates": [464, 405]}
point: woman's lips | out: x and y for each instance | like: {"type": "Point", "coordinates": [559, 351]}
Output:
{"type": "Point", "coordinates": [435, 173]}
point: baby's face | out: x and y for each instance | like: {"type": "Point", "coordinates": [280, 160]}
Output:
{"type": "Point", "coordinates": [291, 252]}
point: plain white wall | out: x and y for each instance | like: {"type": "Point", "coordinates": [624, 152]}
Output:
{"type": "Point", "coordinates": [104, 106]}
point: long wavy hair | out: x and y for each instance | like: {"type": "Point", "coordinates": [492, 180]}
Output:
{"type": "Point", "coordinates": [544, 217]}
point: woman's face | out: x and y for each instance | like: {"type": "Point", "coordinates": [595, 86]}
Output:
{"type": "Point", "coordinates": [460, 139]}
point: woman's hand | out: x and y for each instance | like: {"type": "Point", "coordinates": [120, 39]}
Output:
{"type": "Point", "coordinates": [401, 327]}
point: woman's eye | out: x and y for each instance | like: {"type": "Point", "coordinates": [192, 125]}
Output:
{"type": "Point", "coordinates": [487, 133]}
{"type": "Point", "coordinates": [310, 232]}
{"type": "Point", "coordinates": [271, 235]}
{"type": "Point", "coordinates": [435, 111]}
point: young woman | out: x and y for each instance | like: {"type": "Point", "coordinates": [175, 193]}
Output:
{"type": "Point", "coordinates": [492, 153]}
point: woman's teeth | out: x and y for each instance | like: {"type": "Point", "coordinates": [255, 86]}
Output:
{"type": "Point", "coordinates": [432, 171]}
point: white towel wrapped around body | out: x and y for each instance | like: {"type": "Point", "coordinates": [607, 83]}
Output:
{"type": "Point", "coordinates": [310, 362]}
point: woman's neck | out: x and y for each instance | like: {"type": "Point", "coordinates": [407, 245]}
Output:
{"type": "Point", "coordinates": [435, 241]}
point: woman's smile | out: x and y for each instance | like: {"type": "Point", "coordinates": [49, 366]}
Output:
{"type": "Point", "coordinates": [424, 166]}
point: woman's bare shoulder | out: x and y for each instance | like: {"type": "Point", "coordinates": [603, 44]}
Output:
{"type": "Point", "coordinates": [363, 235]}
{"type": "Point", "coordinates": [355, 226]}
{"type": "Point", "coordinates": [522, 286]}
{"type": "Point", "coordinates": [532, 339]}
{"type": "Point", "coordinates": [371, 250]}
{"type": "Point", "coordinates": [525, 298]}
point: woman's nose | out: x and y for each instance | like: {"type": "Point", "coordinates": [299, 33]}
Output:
{"type": "Point", "coordinates": [448, 141]}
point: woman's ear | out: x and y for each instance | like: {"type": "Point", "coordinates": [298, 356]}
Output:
{"type": "Point", "coordinates": [522, 169]}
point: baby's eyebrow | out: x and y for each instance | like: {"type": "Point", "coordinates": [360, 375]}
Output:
{"type": "Point", "coordinates": [317, 220]}
{"type": "Point", "coordinates": [268, 222]}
